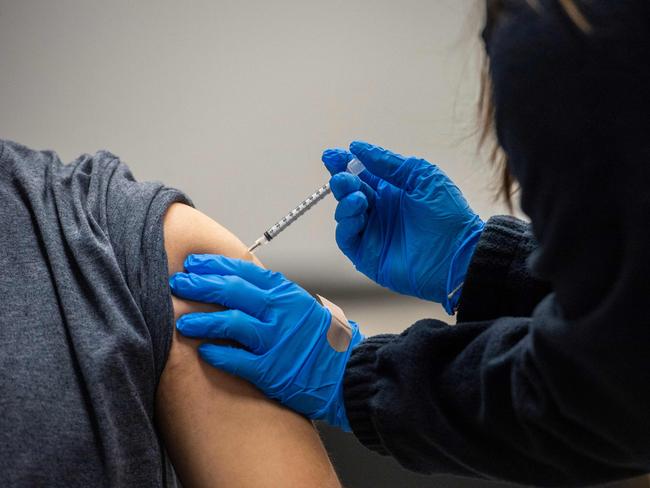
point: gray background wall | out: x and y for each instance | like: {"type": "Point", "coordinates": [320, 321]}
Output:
{"type": "Point", "coordinates": [234, 101]}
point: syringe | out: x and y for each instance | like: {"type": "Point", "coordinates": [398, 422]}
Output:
{"type": "Point", "coordinates": [355, 167]}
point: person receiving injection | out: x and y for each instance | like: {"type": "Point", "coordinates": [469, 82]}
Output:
{"type": "Point", "coordinates": [544, 378]}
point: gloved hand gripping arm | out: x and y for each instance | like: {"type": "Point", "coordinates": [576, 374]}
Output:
{"type": "Point", "coordinates": [403, 223]}
{"type": "Point", "coordinates": [296, 347]}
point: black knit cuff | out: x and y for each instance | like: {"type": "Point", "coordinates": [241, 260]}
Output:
{"type": "Point", "coordinates": [359, 386]}
{"type": "Point", "coordinates": [498, 282]}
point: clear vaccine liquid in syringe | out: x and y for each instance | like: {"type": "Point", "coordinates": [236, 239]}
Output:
{"type": "Point", "coordinates": [355, 167]}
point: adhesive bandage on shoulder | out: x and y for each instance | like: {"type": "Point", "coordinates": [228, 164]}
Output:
{"type": "Point", "coordinates": [339, 334]}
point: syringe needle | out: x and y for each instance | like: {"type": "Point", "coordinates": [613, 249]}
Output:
{"type": "Point", "coordinates": [258, 243]}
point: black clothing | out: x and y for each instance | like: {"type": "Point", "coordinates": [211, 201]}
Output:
{"type": "Point", "coordinates": [85, 321]}
{"type": "Point", "coordinates": [546, 378]}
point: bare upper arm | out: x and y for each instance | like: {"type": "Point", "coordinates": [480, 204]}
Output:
{"type": "Point", "coordinates": [219, 430]}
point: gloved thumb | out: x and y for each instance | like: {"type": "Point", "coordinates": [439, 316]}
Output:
{"type": "Point", "coordinates": [394, 168]}
{"type": "Point", "coordinates": [336, 160]}
{"type": "Point", "coordinates": [238, 362]}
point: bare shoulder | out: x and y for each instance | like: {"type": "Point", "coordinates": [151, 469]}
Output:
{"type": "Point", "coordinates": [220, 430]}
{"type": "Point", "coordinates": [189, 231]}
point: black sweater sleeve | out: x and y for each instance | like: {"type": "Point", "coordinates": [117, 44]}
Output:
{"type": "Point", "coordinates": [499, 281]}
{"type": "Point", "coordinates": [533, 399]}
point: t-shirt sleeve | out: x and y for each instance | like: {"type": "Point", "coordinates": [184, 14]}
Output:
{"type": "Point", "coordinates": [87, 297]}
{"type": "Point", "coordinates": [134, 214]}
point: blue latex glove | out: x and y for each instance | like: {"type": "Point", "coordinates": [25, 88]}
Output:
{"type": "Point", "coordinates": [283, 328]}
{"type": "Point", "coordinates": [403, 223]}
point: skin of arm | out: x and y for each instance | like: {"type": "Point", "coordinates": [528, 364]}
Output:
{"type": "Point", "coordinates": [220, 430]}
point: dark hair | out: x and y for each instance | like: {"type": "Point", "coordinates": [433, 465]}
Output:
{"type": "Point", "coordinates": [505, 185]}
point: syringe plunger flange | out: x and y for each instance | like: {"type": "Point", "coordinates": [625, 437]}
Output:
{"type": "Point", "coordinates": [356, 167]}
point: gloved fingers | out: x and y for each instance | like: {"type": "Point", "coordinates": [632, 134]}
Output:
{"type": "Point", "coordinates": [231, 359]}
{"type": "Point", "coordinates": [229, 291]}
{"type": "Point", "coordinates": [394, 168]}
{"type": "Point", "coordinates": [348, 233]}
{"type": "Point", "coordinates": [343, 184]}
{"type": "Point", "coordinates": [370, 180]}
{"type": "Point", "coordinates": [336, 160]}
{"type": "Point", "coordinates": [370, 193]}
{"type": "Point", "coordinates": [230, 324]}
{"type": "Point", "coordinates": [222, 265]}
{"type": "Point", "coordinates": [352, 205]}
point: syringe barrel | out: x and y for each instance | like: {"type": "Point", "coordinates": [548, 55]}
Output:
{"type": "Point", "coordinates": [295, 214]}
{"type": "Point", "coordinates": [355, 167]}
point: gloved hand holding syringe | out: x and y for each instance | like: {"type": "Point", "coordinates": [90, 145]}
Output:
{"type": "Point", "coordinates": [355, 167]}
{"type": "Point", "coordinates": [400, 220]}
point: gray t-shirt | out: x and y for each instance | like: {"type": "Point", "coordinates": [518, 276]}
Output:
{"type": "Point", "coordinates": [85, 321]}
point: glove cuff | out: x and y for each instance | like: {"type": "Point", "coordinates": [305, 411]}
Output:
{"type": "Point", "coordinates": [339, 333]}
{"type": "Point", "coordinates": [342, 336]}
{"type": "Point", "coordinates": [340, 415]}
{"type": "Point", "coordinates": [458, 268]}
